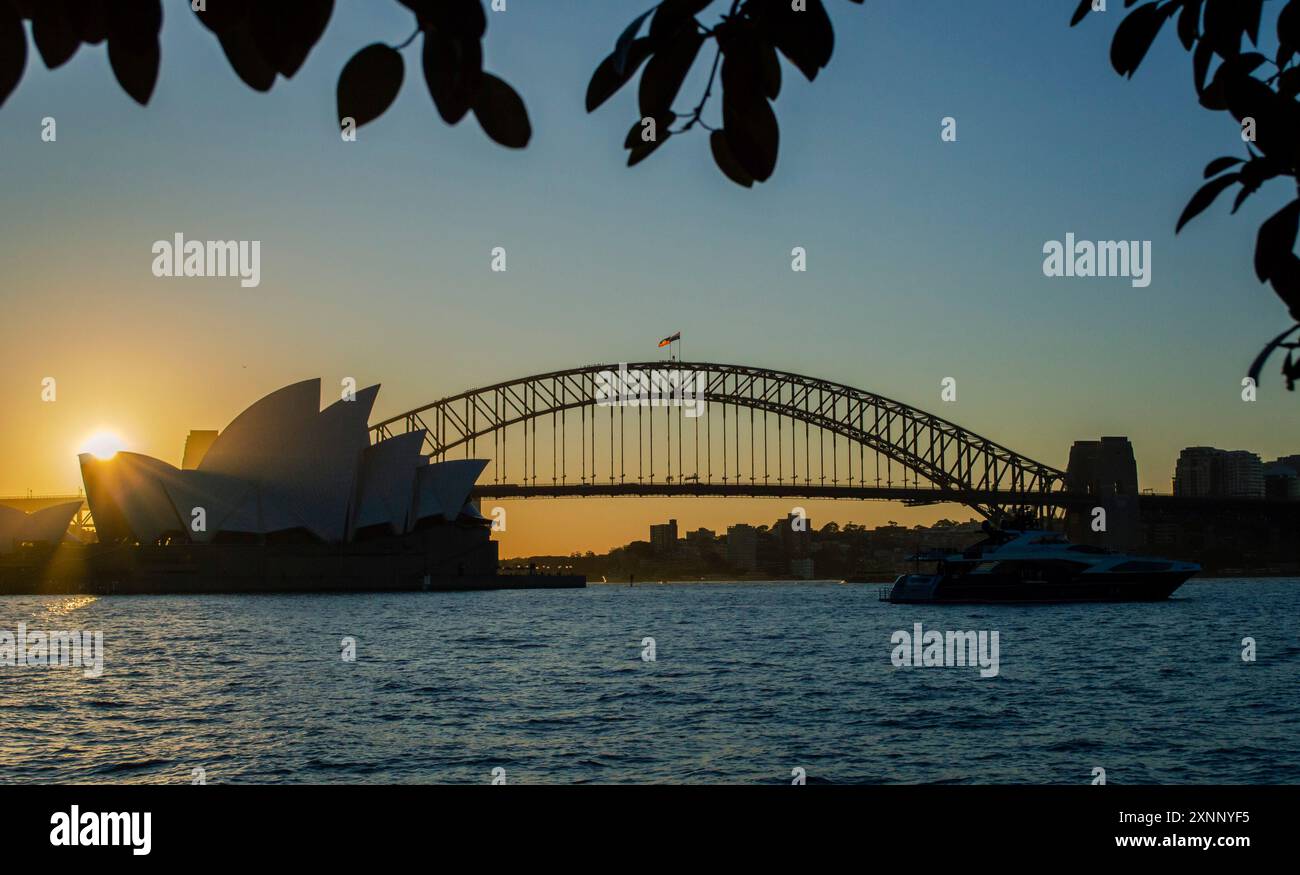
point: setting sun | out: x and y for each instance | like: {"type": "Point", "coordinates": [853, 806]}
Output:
{"type": "Point", "coordinates": [103, 444]}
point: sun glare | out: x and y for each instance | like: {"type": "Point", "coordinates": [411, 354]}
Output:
{"type": "Point", "coordinates": [103, 444]}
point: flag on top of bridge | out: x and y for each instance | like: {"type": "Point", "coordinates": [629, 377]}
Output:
{"type": "Point", "coordinates": [669, 339]}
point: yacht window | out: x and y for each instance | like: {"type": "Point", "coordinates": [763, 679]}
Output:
{"type": "Point", "coordinates": [1140, 567]}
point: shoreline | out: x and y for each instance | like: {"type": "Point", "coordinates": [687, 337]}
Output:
{"type": "Point", "coordinates": [883, 581]}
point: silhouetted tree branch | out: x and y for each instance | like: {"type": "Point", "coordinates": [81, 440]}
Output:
{"type": "Point", "coordinates": [1260, 93]}
{"type": "Point", "coordinates": [267, 39]}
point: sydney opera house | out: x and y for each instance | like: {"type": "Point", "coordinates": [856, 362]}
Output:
{"type": "Point", "coordinates": [46, 526]}
{"type": "Point", "coordinates": [287, 497]}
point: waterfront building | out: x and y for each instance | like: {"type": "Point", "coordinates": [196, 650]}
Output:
{"type": "Point", "coordinates": [1282, 480]}
{"type": "Point", "coordinates": [802, 568]}
{"type": "Point", "coordinates": [46, 526]}
{"type": "Point", "coordinates": [283, 470]}
{"type": "Point", "coordinates": [663, 538]}
{"type": "Point", "coordinates": [742, 547]}
{"type": "Point", "coordinates": [1208, 472]}
{"type": "Point", "coordinates": [796, 536]}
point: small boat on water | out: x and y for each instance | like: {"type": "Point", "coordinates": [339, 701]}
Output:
{"type": "Point", "coordinates": [1014, 565]}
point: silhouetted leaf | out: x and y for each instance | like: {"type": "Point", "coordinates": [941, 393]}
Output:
{"type": "Point", "coordinates": [1290, 371]}
{"type": "Point", "coordinates": [1203, 198]}
{"type": "Point", "coordinates": [1277, 121]}
{"type": "Point", "coordinates": [770, 69]}
{"type": "Point", "coordinates": [1241, 198]}
{"type": "Point", "coordinates": [453, 70]}
{"type": "Point", "coordinates": [1218, 165]}
{"type": "Point", "coordinates": [90, 18]}
{"type": "Point", "coordinates": [369, 83]}
{"type": "Point", "coordinates": [666, 71]}
{"type": "Point", "coordinates": [501, 113]}
{"type": "Point", "coordinates": [1247, 63]}
{"type": "Point", "coordinates": [606, 81]}
{"type": "Point", "coordinates": [1189, 23]}
{"type": "Point", "coordinates": [133, 50]}
{"type": "Point", "coordinates": [1288, 84]}
{"type": "Point", "coordinates": [285, 31]}
{"type": "Point", "coordinates": [747, 117]}
{"type": "Point", "coordinates": [223, 16]}
{"type": "Point", "coordinates": [134, 24]}
{"type": "Point", "coordinates": [1250, 12]}
{"type": "Point", "coordinates": [1215, 96]}
{"type": "Point", "coordinates": [623, 45]}
{"type": "Point", "coordinates": [750, 61]}
{"type": "Point", "coordinates": [1226, 23]}
{"type": "Point", "coordinates": [1081, 12]}
{"type": "Point", "coordinates": [459, 18]}
{"type": "Point", "coordinates": [1276, 240]}
{"type": "Point", "coordinates": [1267, 351]}
{"type": "Point", "coordinates": [672, 15]}
{"type": "Point", "coordinates": [1259, 170]}
{"type": "Point", "coordinates": [726, 160]}
{"type": "Point", "coordinates": [245, 58]}
{"type": "Point", "coordinates": [806, 37]}
{"type": "Point", "coordinates": [136, 68]}
{"type": "Point", "coordinates": [752, 131]}
{"type": "Point", "coordinates": [1134, 36]}
{"type": "Point", "coordinates": [1254, 174]}
{"type": "Point", "coordinates": [636, 135]}
{"type": "Point", "coordinates": [1288, 25]}
{"type": "Point", "coordinates": [55, 33]}
{"type": "Point", "coordinates": [642, 150]}
{"type": "Point", "coordinates": [13, 50]}
{"type": "Point", "coordinates": [1201, 58]}
{"type": "Point", "coordinates": [1286, 283]}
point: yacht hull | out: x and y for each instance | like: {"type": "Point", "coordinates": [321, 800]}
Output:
{"type": "Point", "coordinates": [997, 589]}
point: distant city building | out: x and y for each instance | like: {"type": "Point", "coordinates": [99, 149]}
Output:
{"type": "Point", "coordinates": [1194, 472]}
{"type": "Point", "coordinates": [663, 538]}
{"type": "Point", "coordinates": [702, 538]}
{"type": "Point", "coordinates": [802, 568]}
{"type": "Point", "coordinates": [742, 547]}
{"type": "Point", "coordinates": [1282, 480]}
{"type": "Point", "coordinates": [196, 447]}
{"type": "Point", "coordinates": [1243, 475]}
{"type": "Point", "coordinates": [796, 536]}
{"type": "Point", "coordinates": [1208, 472]}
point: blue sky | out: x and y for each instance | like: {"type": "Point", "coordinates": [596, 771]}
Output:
{"type": "Point", "coordinates": [925, 257]}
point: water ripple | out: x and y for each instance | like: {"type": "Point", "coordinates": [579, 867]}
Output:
{"type": "Point", "coordinates": [750, 683]}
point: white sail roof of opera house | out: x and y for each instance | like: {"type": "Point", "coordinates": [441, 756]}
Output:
{"type": "Point", "coordinates": [283, 464]}
{"type": "Point", "coordinates": [444, 488]}
{"type": "Point", "coordinates": [47, 525]}
{"type": "Point", "coordinates": [388, 472]}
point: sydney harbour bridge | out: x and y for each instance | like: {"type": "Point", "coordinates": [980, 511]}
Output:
{"type": "Point", "coordinates": [707, 429]}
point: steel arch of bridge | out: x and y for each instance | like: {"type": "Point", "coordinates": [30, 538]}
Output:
{"type": "Point", "coordinates": [959, 465]}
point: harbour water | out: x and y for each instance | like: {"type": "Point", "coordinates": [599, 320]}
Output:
{"type": "Point", "coordinates": [749, 683]}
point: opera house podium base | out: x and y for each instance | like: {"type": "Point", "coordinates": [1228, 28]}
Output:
{"type": "Point", "coordinates": [441, 559]}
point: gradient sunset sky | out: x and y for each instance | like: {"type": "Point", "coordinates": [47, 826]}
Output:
{"type": "Point", "coordinates": [925, 258]}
